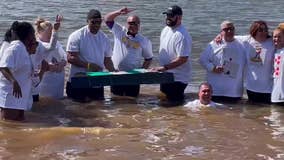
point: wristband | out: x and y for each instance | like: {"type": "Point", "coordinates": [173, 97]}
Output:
{"type": "Point", "coordinates": [88, 66]}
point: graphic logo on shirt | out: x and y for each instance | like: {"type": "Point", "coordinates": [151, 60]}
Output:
{"type": "Point", "coordinates": [277, 61]}
{"type": "Point", "coordinates": [228, 60]}
{"type": "Point", "coordinates": [129, 43]}
{"type": "Point", "coordinates": [256, 57]}
{"type": "Point", "coordinates": [231, 68]}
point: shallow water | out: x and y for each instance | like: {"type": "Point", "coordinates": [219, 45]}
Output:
{"type": "Point", "coordinates": [147, 127]}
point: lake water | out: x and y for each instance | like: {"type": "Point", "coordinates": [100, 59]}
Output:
{"type": "Point", "coordinates": [144, 128]}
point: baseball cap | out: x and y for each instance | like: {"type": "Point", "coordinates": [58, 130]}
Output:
{"type": "Point", "coordinates": [173, 10]}
{"type": "Point", "coordinates": [93, 13]}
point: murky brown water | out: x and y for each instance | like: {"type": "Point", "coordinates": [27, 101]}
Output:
{"type": "Point", "coordinates": [143, 128]}
{"type": "Point", "coordinates": [146, 128]}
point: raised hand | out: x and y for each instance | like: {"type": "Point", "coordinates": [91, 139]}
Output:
{"type": "Point", "coordinates": [57, 23]}
{"type": "Point", "coordinates": [125, 10]}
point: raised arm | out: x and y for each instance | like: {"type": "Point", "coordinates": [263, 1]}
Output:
{"type": "Point", "coordinates": [54, 36]}
{"type": "Point", "coordinates": [112, 15]}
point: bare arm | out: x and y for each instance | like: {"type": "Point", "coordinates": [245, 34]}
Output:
{"type": "Point", "coordinates": [17, 92]}
{"type": "Point", "coordinates": [147, 63]}
{"type": "Point", "coordinates": [109, 64]}
{"type": "Point", "coordinates": [54, 36]}
{"type": "Point", "coordinates": [73, 58]}
{"type": "Point", "coordinates": [175, 63]}
{"type": "Point", "coordinates": [112, 15]}
{"type": "Point", "coordinates": [44, 68]}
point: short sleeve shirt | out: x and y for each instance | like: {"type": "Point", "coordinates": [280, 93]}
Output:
{"type": "Point", "coordinates": [17, 59]}
{"type": "Point", "coordinates": [128, 50]}
{"type": "Point", "coordinates": [91, 47]}
{"type": "Point", "coordinates": [176, 43]}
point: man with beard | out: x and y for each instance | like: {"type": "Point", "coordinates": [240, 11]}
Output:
{"type": "Point", "coordinates": [88, 49]}
{"type": "Point", "coordinates": [174, 52]}
{"type": "Point", "coordinates": [130, 47]}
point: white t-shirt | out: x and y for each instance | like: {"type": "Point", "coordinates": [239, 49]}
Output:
{"type": "Point", "coordinates": [52, 83]}
{"type": "Point", "coordinates": [4, 46]}
{"type": "Point", "coordinates": [277, 94]}
{"type": "Point", "coordinates": [17, 59]}
{"type": "Point", "coordinates": [196, 105]}
{"type": "Point", "coordinates": [176, 43]}
{"type": "Point", "coordinates": [128, 51]}
{"type": "Point", "coordinates": [92, 48]}
{"type": "Point", "coordinates": [232, 56]}
{"type": "Point", "coordinates": [259, 68]}
{"type": "Point", "coordinates": [42, 52]}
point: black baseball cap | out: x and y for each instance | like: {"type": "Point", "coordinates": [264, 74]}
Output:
{"type": "Point", "coordinates": [93, 13]}
{"type": "Point", "coordinates": [173, 10]}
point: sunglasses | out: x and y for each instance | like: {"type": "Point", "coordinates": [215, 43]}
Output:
{"type": "Point", "coordinates": [170, 15]}
{"type": "Point", "coordinates": [133, 23]}
{"type": "Point", "coordinates": [97, 21]}
{"type": "Point", "coordinates": [231, 29]}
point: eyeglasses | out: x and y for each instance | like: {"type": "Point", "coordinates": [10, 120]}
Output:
{"type": "Point", "coordinates": [231, 29]}
{"type": "Point", "coordinates": [97, 21]}
{"type": "Point", "coordinates": [133, 23]}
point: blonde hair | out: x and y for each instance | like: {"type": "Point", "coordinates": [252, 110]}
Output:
{"type": "Point", "coordinates": [42, 25]}
{"type": "Point", "coordinates": [281, 26]}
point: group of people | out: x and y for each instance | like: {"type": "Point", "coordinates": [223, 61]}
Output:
{"type": "Point", "coordinates": [27, 66]}
{"type": "Point", "coordinates": [253, 60]}
{"type": "Point", "coordinates": [89, 49]}
{"type": "Point", "coordinates": [32, 61]}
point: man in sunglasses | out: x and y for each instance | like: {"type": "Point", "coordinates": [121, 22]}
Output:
{"type": "Point", "coordinates": [130, 47]}
{"type": "Point", "coordinates": [224, 63]}
{"type": "Point", "coordinates": [88, 49]}
{"type": "Point", "coordinates": [174, 54]}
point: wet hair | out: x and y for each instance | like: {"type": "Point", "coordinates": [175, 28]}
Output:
{"type": "Point", "coordinates": [255, 26]}
{"type": "Point", "coordinates": [42, 25]}
{"type": "Point", "coordinates": [23, 30]}
{"type": "Point", "coordinates": [205, 84]}
{"type": "Point", "coordinates": [10, 33]}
